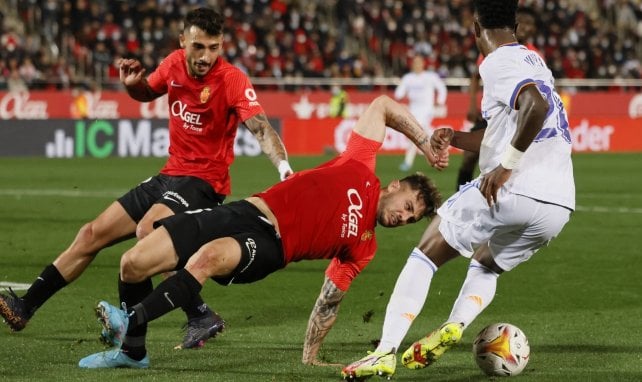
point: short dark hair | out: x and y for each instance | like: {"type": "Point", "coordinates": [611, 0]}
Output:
{"type": "Point", "coordinates": [496, 14]}
{"type": "Point", "coordinates": [428, 192]}
{"type": "Point", "coordinates": [208, 20]}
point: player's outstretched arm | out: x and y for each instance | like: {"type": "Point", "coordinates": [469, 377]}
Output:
{"type": "Point", "coordinates": [270, 142]}
{"type": "Point", "coordinates": [469, 141]}
{"type": "Point", "coordinates": [384, 111]}
{"type": "Point", "coordinates": [323, 316]}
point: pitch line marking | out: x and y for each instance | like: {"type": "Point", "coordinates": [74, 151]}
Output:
{"type": "Point", "coordinates": [117, 193]}
{"type": "Point", "coordinates": [14, 286]}
{"type": "Point", "coordinates": [609, 210]}
{"type": "Point", "coordinates": [594, 195]}
{"type": "Point", "coordinates": [62, 193]}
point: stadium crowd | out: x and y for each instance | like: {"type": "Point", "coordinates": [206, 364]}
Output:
{"type": "Point", "coordinates": [56, 43]}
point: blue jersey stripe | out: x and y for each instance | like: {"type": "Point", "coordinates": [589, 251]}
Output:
{"type": "Point", "coordinates": [518, 89]}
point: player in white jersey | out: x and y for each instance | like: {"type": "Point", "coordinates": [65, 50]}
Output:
{"type": "Point", "coordinates": [420, 86]}
{"type": "Point", "coordinates": [521, 201]}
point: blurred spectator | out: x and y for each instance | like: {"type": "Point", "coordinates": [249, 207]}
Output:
{"type": "Point", "coordinates": [28, 72]}
{"type": "Point", "coordinates": [15, 83]}
{"type": "Point", "coordinates": [338, 102]}
{"type": "Point", "coordinates": [291, 39]}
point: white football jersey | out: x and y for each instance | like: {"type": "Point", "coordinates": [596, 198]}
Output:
{"type": "Point", "coordinates": [545, 172]}
{"type": "Point", "coordinates": [420, 88]}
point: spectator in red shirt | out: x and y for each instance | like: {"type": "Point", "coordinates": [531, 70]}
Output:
{"type": "Point", "coordinates": [207, 98]}
{"type": "Point", "coordinates": [245, 241]}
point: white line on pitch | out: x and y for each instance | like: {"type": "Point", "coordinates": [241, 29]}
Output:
{"type": "Point", "coordinates": [609, 210]}
{"type": "Point", "coordinates": [116, 193]}
{"type": "Point", "coordinates": [63, 193]}
{"type": "Point", "coordinates": [14, 286]}
{"type": "Point", "coordinates": [601, 195]}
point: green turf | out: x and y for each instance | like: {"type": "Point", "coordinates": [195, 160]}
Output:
{"type": "Point", "coordinates": [579, 301]}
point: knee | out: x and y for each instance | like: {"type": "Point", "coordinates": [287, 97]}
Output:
{"type": "Point", "coordinates": [143, 228]}
{"type": "Point", "coordinates": [130, 270]}
{"type": "Point", "coordinates": [86, 232]}
{"type": "Point", "coordinates": [213, 259]}
{"type": "Point", "coordinates": [88, 240]}
{"type": "Point", "coordinates": [437, 249]}
{"type": "Point", "coordinates": [212, 256]}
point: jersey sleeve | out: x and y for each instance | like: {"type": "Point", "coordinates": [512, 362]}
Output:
{"type": "Point", "coordinates": [361, 149]}
{"type": "Point", "coordinates": [241, 95]}
{"type": "Point", "coordinates": [507, 79]}
{"type": "Point", "coordinates": [343, 270]}
{"type": "Point", "coordinates": [158, 79]}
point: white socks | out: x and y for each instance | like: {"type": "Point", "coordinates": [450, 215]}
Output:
{"type": "Point", "coordinates": [406, 300]}
{"type": "Point", "coordinates": [475, 295]}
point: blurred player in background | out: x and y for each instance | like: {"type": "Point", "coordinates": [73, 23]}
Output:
{"type": "Point", "coordinates": [420, 86]}
{"type": "Point", "coordinates": [244, 241]}
{"type": "Point", "coordinates": [526, 30]}
{"type": "Point", "coordinates": [521, 201]}
{"type": "Point", "coordinates": [207, 98]}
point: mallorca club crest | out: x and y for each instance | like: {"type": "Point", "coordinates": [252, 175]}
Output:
{"type": "Point", "coordinates": [205, 94]}
{"type": "Point", "coordinates": [367, 235]}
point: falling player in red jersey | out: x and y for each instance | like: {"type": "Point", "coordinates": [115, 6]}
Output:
{"type": "Point", "coordinates": [207, 98]}
{"type": "Point", "coordinates": [329, 212]}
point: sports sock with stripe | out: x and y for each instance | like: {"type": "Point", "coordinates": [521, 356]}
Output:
{"type": "Point", "coordinates": [407, 299]}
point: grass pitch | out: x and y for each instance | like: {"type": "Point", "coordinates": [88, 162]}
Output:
{"type": "Point", "coordinates": [578, 301]}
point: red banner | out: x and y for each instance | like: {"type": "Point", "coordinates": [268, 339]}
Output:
{"type": "Point", "coordinates": [600, 121]}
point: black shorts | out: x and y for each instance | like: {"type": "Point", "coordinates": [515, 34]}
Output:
{"type": "Point", "coordinates": [261, 249]}
{"type": "Point", "coordinates": [179, 193]}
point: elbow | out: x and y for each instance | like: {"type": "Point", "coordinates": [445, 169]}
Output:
{"type": "Point", "coordinates": [381, 101]}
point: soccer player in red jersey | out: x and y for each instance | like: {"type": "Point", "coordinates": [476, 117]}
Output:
{"type": "Point", "coordinates": [524, 32]}
{"type": "Point", "coordinates": [329, 212]}
{"type": "Point", "coordinates": [207, 98]}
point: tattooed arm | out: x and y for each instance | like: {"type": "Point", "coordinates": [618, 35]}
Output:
{"type": "Point", "coordinates": [321, 320]}
{"type": "Point", "coordinates": [384, 111]}
{"type": "Point", "coordinates": [270, 142]}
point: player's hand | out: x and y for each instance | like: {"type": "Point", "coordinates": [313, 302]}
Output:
{"type": "Point", "coordinates": [437, 152]}
{"type": "Point", "coordinates": [492, 182]}
{"type": "Point", "coordinates": [442, 160]}
{"type": "Point", "coordinates": [131, 71]}
{"type": "Point", "coordinates": [440, 139]}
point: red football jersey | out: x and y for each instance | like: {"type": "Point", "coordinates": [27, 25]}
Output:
{"type": "Point", "coordinates": [203, 117]}
{"type": "Point", "coordinates": [331, 211]}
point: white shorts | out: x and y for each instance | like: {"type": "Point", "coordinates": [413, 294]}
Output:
{"type": "Point", "coordinates": [514, 228]}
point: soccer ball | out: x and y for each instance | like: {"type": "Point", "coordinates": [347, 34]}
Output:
{"type": "Point", "coordinates": [501, 349]}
